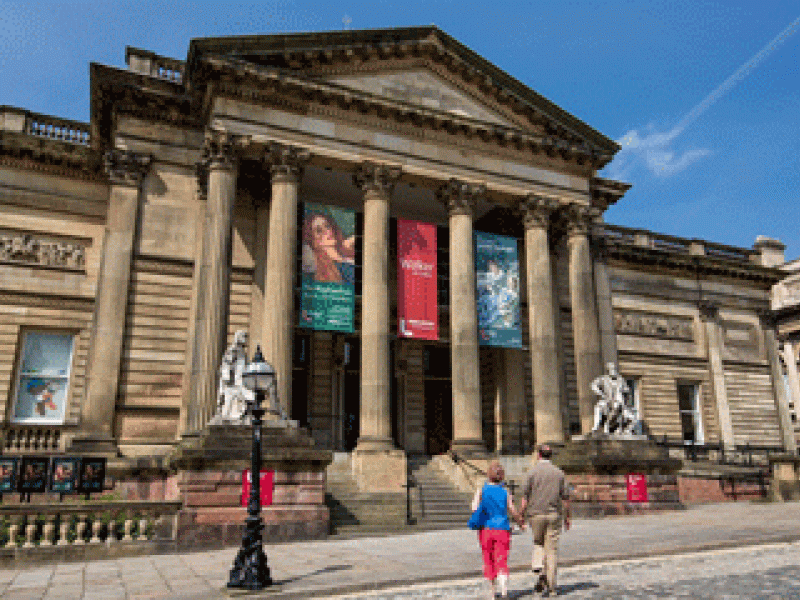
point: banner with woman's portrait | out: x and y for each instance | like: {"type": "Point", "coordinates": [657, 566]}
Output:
{"type": "Point", "coordinates": [417, 306]}
{"type": "Point", "coordinates": [497, 279]}
{"type": "Point", "coordinates": [328, 268]}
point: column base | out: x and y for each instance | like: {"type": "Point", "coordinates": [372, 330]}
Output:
{"type": "Point", "coordinates": [469, 448]}
{"type": "Point", "coordinates": [380, 470]}
{"type": "Point", "coordinates": [372, 444]}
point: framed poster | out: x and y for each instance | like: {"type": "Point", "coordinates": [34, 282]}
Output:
{"type": "Point", "coordinates": [33, 474]}
{"type": "Point", "coordinates": [43, 377]}
{"type": "Point", "coordinates": [327, 298]}
{"type": "Point", "coordinates": [497, 282]}
{"type": "Point", "coordinates": [92, 475]}
{"type": "Point", "coordinates": [8, 475]}
{"type": "Point", "coordinates": [417, 302]}
{"type": "Point", "coordinates": [64, 474]}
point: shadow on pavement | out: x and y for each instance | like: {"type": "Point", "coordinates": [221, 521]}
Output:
{"type": "Point", "coordinates": [330, 569]}
{"type": "Point", "coordinates": [562, 590]}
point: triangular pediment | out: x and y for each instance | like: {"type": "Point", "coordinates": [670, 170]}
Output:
{"type": "Point", "coordinates": [422, 88]}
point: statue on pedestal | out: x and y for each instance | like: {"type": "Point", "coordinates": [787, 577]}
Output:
{"type": "Point", "coordinates": [612, 414]}
{"type": "Point", "coordinates": [233, 396]}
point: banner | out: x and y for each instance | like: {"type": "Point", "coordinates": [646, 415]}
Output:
{"type": "Point", "coordinates": [497, 279]}
{"type": "Point", "coordinates": [417, 307]}
{"type": "Point", "coordinates": [328, 281]}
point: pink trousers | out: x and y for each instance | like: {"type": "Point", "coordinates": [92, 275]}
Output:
{"type": "Point", "coordinates": [495, 544]}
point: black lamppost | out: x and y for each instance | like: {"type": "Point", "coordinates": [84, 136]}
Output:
{"type": "Point", "coordinates": [250, 570]}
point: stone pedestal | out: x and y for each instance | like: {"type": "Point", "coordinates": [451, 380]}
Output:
{"type": "Point", "coordinates": [597, 465]}
{"type": "Point", "coordinates": [380, 470]}
{"type": "Point", "coordinates": [209, 481]}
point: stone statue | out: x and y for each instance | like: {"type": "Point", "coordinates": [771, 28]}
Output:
{"type": "Point", "coordinates": [233, 396]}
{"type": "Point", "coordinates": [612, 414]}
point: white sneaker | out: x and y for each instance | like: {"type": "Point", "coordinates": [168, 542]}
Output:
{"type": "Point", "coordinates": [502, 579]}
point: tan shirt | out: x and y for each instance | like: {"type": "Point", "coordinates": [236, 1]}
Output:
{"type": "Point", "coordinates": [545, 488]}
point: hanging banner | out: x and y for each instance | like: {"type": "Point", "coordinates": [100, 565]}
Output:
{"type": "Point", "coordinates": [417, 308]}
{"type": "Point", "coordinates": [328, 280]}
{"type": "Point", "coordinates": [497, 279]}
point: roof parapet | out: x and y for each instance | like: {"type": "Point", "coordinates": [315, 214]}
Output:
{"type": "Point", "coordinates": [151, 64]}
{"type": "Point", "coordinates": [19, 120]}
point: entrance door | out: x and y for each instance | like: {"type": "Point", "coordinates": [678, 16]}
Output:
{"type": "Point", "coordinates": [438, 415]}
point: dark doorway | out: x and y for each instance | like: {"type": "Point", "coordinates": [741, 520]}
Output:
{"type": "Point", "coordinates": [351, 402]}
{"type": "Point", "coordinates": [300, 361]}
{"type": "Point", "coordinates": [438, 416]}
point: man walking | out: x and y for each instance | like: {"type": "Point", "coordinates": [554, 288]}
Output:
{"type": "Point", "coordinates": [546, 500]}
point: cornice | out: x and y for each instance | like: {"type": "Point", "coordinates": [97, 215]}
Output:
{"type": "Point", "coordinates": [50, 157]}
{"type": "Point", "coordinates": [298, 52]}
{"type": "Point", "coordinates": [275, 88]}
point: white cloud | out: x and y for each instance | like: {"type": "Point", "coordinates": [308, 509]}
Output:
{"type": "Point", "coordinates": [654, 151]}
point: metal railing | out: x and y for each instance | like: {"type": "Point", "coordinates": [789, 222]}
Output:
{"type": "Point", "coordinates": [741, 455]}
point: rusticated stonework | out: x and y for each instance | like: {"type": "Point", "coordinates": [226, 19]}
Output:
{"type": "Point", "coordinates": [23, 248]}
{"type": "Point", "coordinates": [653, 325]}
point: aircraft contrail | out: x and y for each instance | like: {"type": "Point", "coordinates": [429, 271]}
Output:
{"type": "Point", "coordinates": [731, 81]}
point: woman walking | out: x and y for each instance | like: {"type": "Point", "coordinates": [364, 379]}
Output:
{"type": "Point", "coordinates": [495, 536]}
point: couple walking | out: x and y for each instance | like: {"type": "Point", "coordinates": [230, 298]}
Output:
{"type": "Point", "coordinates": [544, 502]}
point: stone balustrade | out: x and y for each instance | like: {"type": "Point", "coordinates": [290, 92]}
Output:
{"type": "Point", "coordinates": [92, 523]}
{"type": "Point", "coordinates": [39, 125]}
{"type": "Point", "coordinates": [154, 65]}
{"type": "Point", "coordinates": [27, 439]}
{"type": "Point", "coordinates": [615, 234]}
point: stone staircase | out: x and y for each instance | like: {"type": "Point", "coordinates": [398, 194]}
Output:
{"type": "Point", "coordinates": [436, 502]}
{"type": "Point", "coordinates": [354, 513]}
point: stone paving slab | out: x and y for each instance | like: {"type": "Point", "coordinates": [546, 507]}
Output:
{"type": "Point", "coordinates": [314, 569]}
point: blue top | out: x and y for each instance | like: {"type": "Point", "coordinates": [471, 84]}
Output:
{"type": "Point", "coordinates": [494, 499]}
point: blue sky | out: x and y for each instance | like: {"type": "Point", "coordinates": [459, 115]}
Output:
{"type": "Point", "coordinates": [632, 69]}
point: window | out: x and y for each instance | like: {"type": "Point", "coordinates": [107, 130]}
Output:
{"type": "Point", "coordinates": [689, 406]}
{"type": "Point", "coordinates": [43, 377]}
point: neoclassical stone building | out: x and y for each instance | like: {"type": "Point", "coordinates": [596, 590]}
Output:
{"type": "Point", "coordinates": [134, 247]}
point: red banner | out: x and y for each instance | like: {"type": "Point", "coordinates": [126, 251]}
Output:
{"type": "Point", "coordinates": [267, 485]}
{"type": "Point", "coordinates": [637, 487]}
{"type": "Point", "coordinates": [417, 308]}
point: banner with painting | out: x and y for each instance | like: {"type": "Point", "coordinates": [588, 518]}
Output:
{"type": "Point", "coordinates": [497, 279]}
{"type": "Point", "coordinates": [417, 308]}
{"type": "Point", "coordinates": [328, 263]}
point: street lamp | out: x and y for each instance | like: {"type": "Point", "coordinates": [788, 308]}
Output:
{"type": "Point", "coordinates": [250, 570]}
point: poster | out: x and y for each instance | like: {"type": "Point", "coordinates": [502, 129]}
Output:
{"type": "Point", "coordinates": [64, 475]}
{"type": "Point", "coordinates": [637, 487]}
{"type": "Point", "coordinates": [43, 380]}
{"type": "Point", "coordinates": [33, 474]}
{"type": "Point", "coordinates": [266, 483]}
{"type": "Point", "coordinates": [8, 475]}
{"type": "Point", "coordinates": [417, 306]}
{"type": "Point", "coordinates": [92, 475]}
{"type": "Point", "coordinates": [497, 280]}
{"type": "Point", "coordinates": [329, 270]}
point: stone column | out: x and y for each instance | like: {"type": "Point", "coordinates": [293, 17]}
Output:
{"type": "Point", "coordinates": [126, 172]}
{"type": "Point", "coordinates": [790, 360]}
{"type": "Point", "coordinates": [212, 270]}
{"type": "Point", "coordinates": [605, 310]}
{"type": "Point", "coordinates": [546, 370]}
{"type": "Point", "coordinates": [377, 182]}
{"type": "Point", "coordinates": [459, 198]}
{"type": "Point", "coordinates": [585, 326]}
{"type": "Point", "coordinates": [511, 426]}
{"type": "Point", "coordinates": [286, 165]}
{"type": "Point", "coordinates": [709, 313]}
{"type": "Point", "coordinates": [779, 389]}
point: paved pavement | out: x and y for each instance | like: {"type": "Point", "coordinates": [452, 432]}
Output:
{"type": "Point", "coordinates": [336, 566]}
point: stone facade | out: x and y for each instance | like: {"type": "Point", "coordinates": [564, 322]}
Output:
{"type": "Point", "coordinates": [154, 233]}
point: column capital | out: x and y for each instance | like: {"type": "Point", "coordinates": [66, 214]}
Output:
{"type": "Point", "coordinates": [376, 178]}
{"type": "Point", "coordinates": [708, 310]}
{"type": "Point", "coordinates": [536, 210]}
{"type": "Point", "coordinates": [460, 197]}
{"type": "Point", "coordinates": [286, 163]}
{"type": "Point", "coordinates": [221, 149]}
{"type": "Point", "coordinates": [126, 168]}
{"type": "Point", "coordinates": [580, 219]}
